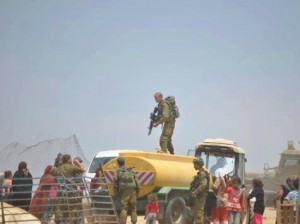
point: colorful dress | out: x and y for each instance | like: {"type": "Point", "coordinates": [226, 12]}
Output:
{"type": "Point", "coordinates": [235, 205]}
{"type": "Point", "coordinates": [39, 201]}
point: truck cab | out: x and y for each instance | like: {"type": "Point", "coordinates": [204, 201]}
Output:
{"type": "Point", "coordinates": [289, 164]}
{"type": "Point", "coordinates": [218, 153]}
{"type": "Point", "coordinates": [101, 158]}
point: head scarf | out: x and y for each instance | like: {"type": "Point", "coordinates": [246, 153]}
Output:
{"type": "Point", "coordinates": [48, 169]}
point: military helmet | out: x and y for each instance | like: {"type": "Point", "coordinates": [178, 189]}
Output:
{"type": "Point", "coordinates": [121, 160]}
{"type": "Point", "coordinates": [198, 161]}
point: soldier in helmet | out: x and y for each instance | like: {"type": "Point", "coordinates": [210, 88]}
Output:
{"type": "Point", "coordinates": [168, 123]}
{"type": "Point", "coordinates": [126, 188]}
{"type": "Point", "coordinates": [200, 190]}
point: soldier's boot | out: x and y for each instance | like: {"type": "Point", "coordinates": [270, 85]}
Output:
{"type": "Point", "coordinates": [161, 151]}
{"type": "Point", "coordinates": [171, 151]}
{"type": "Point", "coordinates": [170, 147]}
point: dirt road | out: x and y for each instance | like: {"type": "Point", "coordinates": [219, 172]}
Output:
{"type": "Point", "coordinates": [269, 217]}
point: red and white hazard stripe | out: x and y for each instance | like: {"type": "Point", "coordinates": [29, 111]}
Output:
{"type": "Point", "coordinates": [144, 178]}
{"type": "Point", "coordinates": [109, 175]}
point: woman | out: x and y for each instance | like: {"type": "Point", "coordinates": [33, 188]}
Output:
{"type": "Point", "coordinates": [98, 181]}
{"type": "Point", "coordinates": [22, 187]}
{"type": "Point", "coordinates": [45, 196]}
{"type": "Point", "coordinates": [259, 205]}
{"type": "Point", "coordinates": [284, 189]}
{"type": "Point", "coordinates": [293, 195]}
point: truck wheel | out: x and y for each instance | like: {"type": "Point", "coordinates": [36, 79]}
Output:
{"type": "Point", "coordinates": [176, 212]}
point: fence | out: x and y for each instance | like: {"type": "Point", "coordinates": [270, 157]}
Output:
{"type": "Point", "coordinates": [66, 201]}
{"type": "Point", "coordinates": [39, 155]}
{"type": "Point", "coordinates": [285, 213]}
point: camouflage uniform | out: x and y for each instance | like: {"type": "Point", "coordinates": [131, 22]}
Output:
{"type": "Point", "coordinates": [201, 192]}
{"type": "Point", "coordinates": [60, 199]}
{"type": "Point", "coordinates": [165, 140]}
{"type": "Point", "coordinates": [127, 197]}
{"type": "Point", "coordinates": [60, 202]}
{"type": "Point", "coordinates": [71, 211]}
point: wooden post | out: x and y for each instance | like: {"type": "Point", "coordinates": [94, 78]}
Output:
{"type": "Point", "coordinates": [285, 213]}
{"type": "Point", "coordinates": [278, 212]}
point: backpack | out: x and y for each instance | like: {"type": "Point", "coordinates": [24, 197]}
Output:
{"type": "Point", "coordinates": [174, 111]}
{"type": "Point", "coordinates": [126, 179]}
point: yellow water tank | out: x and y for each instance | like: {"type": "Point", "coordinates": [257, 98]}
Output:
{"type": "Point", "coordinates": [155, 170]}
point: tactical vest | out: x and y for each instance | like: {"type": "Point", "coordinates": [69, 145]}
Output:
{"type": "Point", "coordinates": [126, 179]}
{"type": "Point", "coordinates": [173, 109]}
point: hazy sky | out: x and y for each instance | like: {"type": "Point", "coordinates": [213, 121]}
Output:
{"type": "Point", "coordinates": [91, 68]}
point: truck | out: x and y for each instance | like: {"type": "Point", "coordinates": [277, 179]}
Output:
{"type": "Point", "coordinates": [288, 165]}
{"type": "Point", "coordinates": [101, 158]}
{"type": "Point", "coordinates": [169, 176]}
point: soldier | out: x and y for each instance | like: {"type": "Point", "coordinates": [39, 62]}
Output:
{"type": "Point", "coordinates": [126, 188]}
{"type": "Point", "coordinates": [58, 160]}
{"type": "Point", "coordinates": [201, 190]}
{"type": "Point", "coordinates": [70, 171]}
{"type": "Point", "coordinates": [164, 118]}
{"type": "Point", "coordinates": [80, 187]}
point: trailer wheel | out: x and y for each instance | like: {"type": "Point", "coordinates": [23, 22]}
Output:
{"type": "Point", "coordinates": [176, 212]}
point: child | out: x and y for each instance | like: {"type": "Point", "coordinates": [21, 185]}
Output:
{"type": "Point", "coordinates": [235, 203]}
{"type": "Point", "coordinates": [259, 206]}
{"type": "Point", "coordinates": [219, 213]}
{"type": "Point", "coordinates": [152, 209]}
{"type": "Point", "coordinates": [7, 184]}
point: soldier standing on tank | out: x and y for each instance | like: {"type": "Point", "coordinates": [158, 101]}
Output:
{"type": "Point", "coordinates": [126, 188]}
{"type": "Point", "coordinates": [163, 113]}
{"type": "Point", "coordinates": [201, 191]}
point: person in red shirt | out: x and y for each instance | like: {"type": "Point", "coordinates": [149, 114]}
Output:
{"type": "Point", "coordinates": [235, 204]}
{"type": "Point", "coordinates": [152, 209]}
{"type": "Point", "coordinates": [98, 181]}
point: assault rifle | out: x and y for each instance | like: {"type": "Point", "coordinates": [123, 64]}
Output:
{"type": "Point", "coordinates": [194, 185]}
{"type": "Point", "coordinates": [153, 118]}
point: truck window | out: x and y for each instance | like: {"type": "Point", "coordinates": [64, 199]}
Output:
{"type": "Point", "coordinates": [213, 162]}
{"type": "Point", "coordinates": [96, 161]}
{"type": "Point", "coordinates": [291, 162]}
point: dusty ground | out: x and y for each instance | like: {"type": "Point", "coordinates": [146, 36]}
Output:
{"type": "Point", "coordinates": [269, 217]}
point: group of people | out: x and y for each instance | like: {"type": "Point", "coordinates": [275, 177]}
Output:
{"type": "Point", "coordinates": [17, 187]}
{"type": "Point", "coordinates": [288, 190]}
{"type": "Point", "coordinates": [52, 191]}
{"type": "Point", "coordinates": [229, 204]}
{"type": "Point", "coordinates": [59, 190]}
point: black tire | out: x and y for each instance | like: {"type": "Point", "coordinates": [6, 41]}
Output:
{"type": "Point", "coordinates": [176, 212]}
